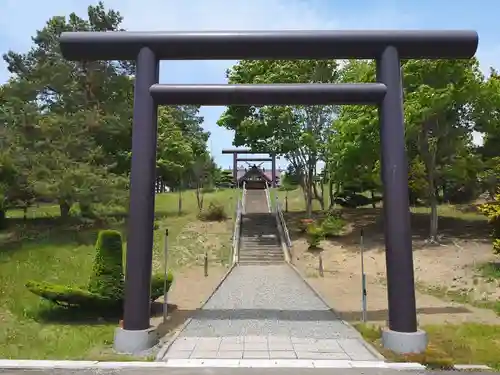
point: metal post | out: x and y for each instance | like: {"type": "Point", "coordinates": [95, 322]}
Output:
{"type": "Point", "coordinates": [363, 278]}
{"type": "Point", "coordinates": [205, 264]}
{"type": "Point", "coordinates": [165, 283]}
{"type": "Point", "coordinates": [235, 169]}
{"type": "Point", "coordinates": [320, 265]}
{"type": "Point", "coordinates": [142, 197]}
{"type": "Point", "coordinates": [399, 256]}
{"type": "Point", "coordinates": [273, 170]}
{"type": "Point", "coordinates": [286, 200]}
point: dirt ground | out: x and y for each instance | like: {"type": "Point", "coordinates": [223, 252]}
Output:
{"type": "Point", "coordinates": [452, 266]}
{"type": "Point", "coordinates": [187, 294]}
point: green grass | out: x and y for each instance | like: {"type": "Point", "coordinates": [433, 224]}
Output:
{"type": "Point", "coordinates": [490, 271]}
{"type": "Point", "coordinates": [44, 248]}
{"type": "Point", "coordinates": [468, 343]}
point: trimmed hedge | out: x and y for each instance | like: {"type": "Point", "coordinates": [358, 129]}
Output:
{"type": "Point", "coordinates": [69, 296]}
{"type": "Point", "coordinates": [107, 278]}
{"type": "Point", "coordinates": [106, 285]}
{"type": "Point", "coordinates": [157, 282]}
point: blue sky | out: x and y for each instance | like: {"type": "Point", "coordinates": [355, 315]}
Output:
{"type": "Point", "coordinates": [20, 18]}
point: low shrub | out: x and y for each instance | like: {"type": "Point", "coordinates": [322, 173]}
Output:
{"type": "Point", "coordinates": [304, 224]}
{"type": "Point", "coordinates": [314, 235]}
{"type": "Point", "coordinates": [351, 199]}
{"type": "Point", "coordinates": [288, 187]}
{"type": "Point", "coordinates": [70, 296]}
{"type": "Point", "coordinates": [332, 226]}
{"type": "Point", "coordinates": [208, 189]}
{"type": "Point", "coordinates": [157, 283]}
{"type": "Point", "coordinates": [105, 289]}
{"type": "Point", "coordinates": [214, 212]}
{"type": "Point", "coordinates": [492, 211]}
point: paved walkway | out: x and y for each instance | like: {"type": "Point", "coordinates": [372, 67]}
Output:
{"type": "Point", "coordinates": [267, 312]}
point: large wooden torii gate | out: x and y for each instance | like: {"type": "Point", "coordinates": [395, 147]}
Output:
{"type": "Point", "coordinates": [386, 47]}
{"type": "Point", "coordinates": [235, 153]}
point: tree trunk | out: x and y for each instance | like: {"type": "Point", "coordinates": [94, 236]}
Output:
{"type": "Point", "coordinates": [330, 195]}
{"type": "Point", "coordinates": [318, 196]}
{"type": "Point", "coordinates": [429, 156]}
{"type": "Point", "coordinates": [199, 197]}
{"type": "Point", "coordinates": [3, 218]}
{"type": "Point", "coordinates": [64, 208]}
{"type": "Point", "coordinates": [306, 190]}
{"type": "Point", "coordinates": [179, 211]}
{"type": "Point", "coordinates": [372, 194]}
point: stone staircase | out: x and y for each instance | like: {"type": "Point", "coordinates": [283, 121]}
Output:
{"type": "Point", "coordinates": [259, 240]}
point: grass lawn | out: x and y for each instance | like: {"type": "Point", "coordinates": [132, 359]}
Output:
{"type": "Point", "coordinates": [44, 248]}
{"type": "Point", "coordinates": [467, 343]}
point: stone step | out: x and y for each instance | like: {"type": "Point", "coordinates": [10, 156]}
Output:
{"type": "Point", "coordinates": [261, 259]}
{"type": "Point", "coordinates": [249, 252]}
{"type": "Point", "coordinates": [257, 262]}
{"type": "Point", "coordinates": [256, 250]}
{"type": "Point", "coordinates": [262, 240]}
{"type": "Point", "coordinates": [260, 245]}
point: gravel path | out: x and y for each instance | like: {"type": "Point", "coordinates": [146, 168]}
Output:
{"type": "Point", "coordinates": [266, 300]}
{"type": "Point", "coordinates": [267, 312]}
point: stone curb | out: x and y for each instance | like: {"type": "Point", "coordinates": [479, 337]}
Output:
{"type": "Point", "coordinates": [250, 363]}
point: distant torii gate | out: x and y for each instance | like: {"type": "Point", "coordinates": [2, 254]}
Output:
{"type": "Point", "coordinates": [235, 153]}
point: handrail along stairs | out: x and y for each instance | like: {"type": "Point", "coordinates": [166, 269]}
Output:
{"type": "Point", "coordinates": [240, 210]}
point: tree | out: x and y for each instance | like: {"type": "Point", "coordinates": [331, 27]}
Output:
{"type": "Point", "coordinates": [78, 130]}
{"type": "Point", "coordinates": [297, 132]}
{"type": "Point", "coordinates": [439, 108]}
{"type": "Point", "coordinates": [353, 146]}
{"type": "Point", "coordinates": [74, 122]}
{"type": "Point", "coordinates": [488, 123]}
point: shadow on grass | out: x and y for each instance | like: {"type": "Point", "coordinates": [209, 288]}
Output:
{"type": "Point", "coordinates": [383, 314]}
{"type": "Point", "coordinates": [78, 316]}
{"type": "Point", "coordinates": [52, 231]}
{"type": "Point", "coordinates": [57, 231]}
{"type": "Point", "coordinates": [371, 221]}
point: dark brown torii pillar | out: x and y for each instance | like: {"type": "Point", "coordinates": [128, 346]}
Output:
{"type": "Point", "coordinates": [387, 47]}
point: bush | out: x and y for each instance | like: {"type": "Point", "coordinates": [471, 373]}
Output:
{"type": "Point", "coordinates": [157, 282]}
{"type": "Point", "coordinates": [304, 224]}
{"type": "Point", "coordinates": [209, 189]}
{"type": "Point", "coordinates": [214, 212]}
{"type": "Point", "coordinates": [492, 212]}
{"type": "Point", "coordinates": [314, 235]}
{"type": "Point", "coordinates": [106, 286]}
{"type": "Point", "coordinates": [70, 296]}
{"type": "Point", "coordinates": [107, 275]}
{"type": "Point", "coordinates": [286, 187]}
{"type": "Point", "coordinates": [332, 226]}
{"type": "Point", "coordinates": [351, 199]}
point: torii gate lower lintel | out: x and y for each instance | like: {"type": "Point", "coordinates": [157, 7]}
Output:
{"type": "Point", "coordinates": [235, 153]}
{"type": "Point", "coordinates": [387, 47]}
